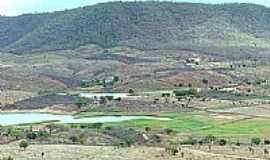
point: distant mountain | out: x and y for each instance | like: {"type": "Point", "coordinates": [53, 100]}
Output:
{"type": "Point", "coordinates": [233, 28]}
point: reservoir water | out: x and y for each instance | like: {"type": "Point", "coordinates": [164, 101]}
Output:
{"type": "Point", "coordinates": [23, 118]}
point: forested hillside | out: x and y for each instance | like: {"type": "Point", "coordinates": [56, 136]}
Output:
{"type": "Point", "coordinates": [233, 28]}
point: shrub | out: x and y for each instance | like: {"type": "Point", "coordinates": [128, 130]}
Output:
{"type": "Point", "coordinates": [255, 141]}
{"type": "Point", "coordinates": [186, 92]}
{"type": "Point", "coordinates": [210, 138]}
{"type": "Point", "coordinates": [222, 142]}
{"type": "Point", "coordinates": [147, 129]}
{"type": "Point", "coordinates": [168, 131]}
{"type": "Point", "coordinates": [190, 141]}
{"type": "Point", "coordinates": [165, 95]}
{"type": "Point", "coordinates": [80, 102]}
{"type": "Point", "coordinates": [7, 158]}
{"type": "Point", "coordinates": [267, 142]}
{"type": "Point", "coordinates": [90, 125]}
{"type": "Point", "coordinates": [74, 139]}
{"type": "Point", "coordinates": [42, 134]}
{"type": "Point", "coordinates": [131, 91]}
{"type": "Point", "coordinates": [31, 135]}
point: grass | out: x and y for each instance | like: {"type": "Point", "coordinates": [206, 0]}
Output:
{"type": "Point", "coordinates": [246, 128]}
{"type": "Point", "coordinates": [181, 122]}
{"type": "Point", "coordinates": [199, 124]}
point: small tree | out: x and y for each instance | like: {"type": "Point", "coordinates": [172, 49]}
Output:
{"type": "Point", "coordinates": [23, 144]}
{"type": "Point", "coordinates": [42, 155]}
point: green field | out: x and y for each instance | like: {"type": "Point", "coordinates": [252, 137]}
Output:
{"type": "Point", "coordinates": [199, 124]}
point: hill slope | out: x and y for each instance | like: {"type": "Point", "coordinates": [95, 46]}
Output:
{"type": "Point", "coordinates": [146, 25]}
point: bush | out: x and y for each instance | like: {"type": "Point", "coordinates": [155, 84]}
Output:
{"type": "Point", "coordinates": [74, 139]}
{"type": "Point", "coordinates": [42, 134]}
{"type": "Point", "coordinates": [90, 125]}
{"type": "Point", "coordinates": [147, 129]}
{"type": "Point", "coordinates": [7, 158]}
{"type": "Point", "coordinates": [210, 138]}
{"type": "Point", "coordinates": [255, 141]}
{"type": "Point", "coordinates": [186, 92]}
{"type": "Point", "coordinates": [222, 142]}
{"type": "Point", "coordinates": [31, 135]}
{"type": "Point", "coordinates": [190, 141]}
{"type": "Point", "coordinates": [267, 142]}
{"type": "Point", "coordinates": [131, 91]}
{"type": "Point", "coordinates": [168, 131]}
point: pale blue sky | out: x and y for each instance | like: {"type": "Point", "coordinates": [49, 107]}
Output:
{"type": "Point", "coordinates": [16, 7]}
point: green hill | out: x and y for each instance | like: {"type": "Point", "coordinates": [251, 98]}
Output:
{"type": "Point", "coordinates": [234, 28]}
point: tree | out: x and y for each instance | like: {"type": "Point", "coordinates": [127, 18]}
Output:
{"type": "Point", "coordinates": [42, 155]}
{"type": "Point", "coordinates": [23, 144]}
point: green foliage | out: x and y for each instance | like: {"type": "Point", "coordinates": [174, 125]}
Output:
{"type": "Point", "coordinates": [184, 92]}
{"type": "Point", "coordinates": [31, 135]}
{"type": "Point", "coordinates": [87, 125]}
{"type": "Point", "coordinates": [267, 142]}
{"type": "Point", "coordinates": [80, 102]}
{"type": "Point", "coordinates": [23, 144]}
{"type": "Point", "coordinates": [233, 28]}
{"type": "Point", "coordinates": [190, 141]}
{"type": "Point", "coordinates": [222, 142]}
{"type": "Point", "coordinates": [210, 138]}
{"type": "Point", "coordinates": [256, 141]}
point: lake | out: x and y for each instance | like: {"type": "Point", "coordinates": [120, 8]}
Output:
{"type": "Point", "coordinates": [98, 95]}
{"type": "Point", "coordinates": [23, 118]}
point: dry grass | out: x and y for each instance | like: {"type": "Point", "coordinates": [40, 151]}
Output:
{"type": "Point", "coordinates": [73, 152]}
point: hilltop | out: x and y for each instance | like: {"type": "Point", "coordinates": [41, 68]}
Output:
{"type": "Point", "coordinates": [234, 28]}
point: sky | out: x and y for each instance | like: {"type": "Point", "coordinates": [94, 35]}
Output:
{"type": "Point", "coordinates": [17, 7]}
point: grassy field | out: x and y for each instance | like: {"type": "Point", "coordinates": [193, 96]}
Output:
{"type": "Point", "coordinates": [200, 124]}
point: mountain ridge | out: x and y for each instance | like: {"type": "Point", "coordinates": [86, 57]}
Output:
{"type": "Point", "coordinates": [143, 25]}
